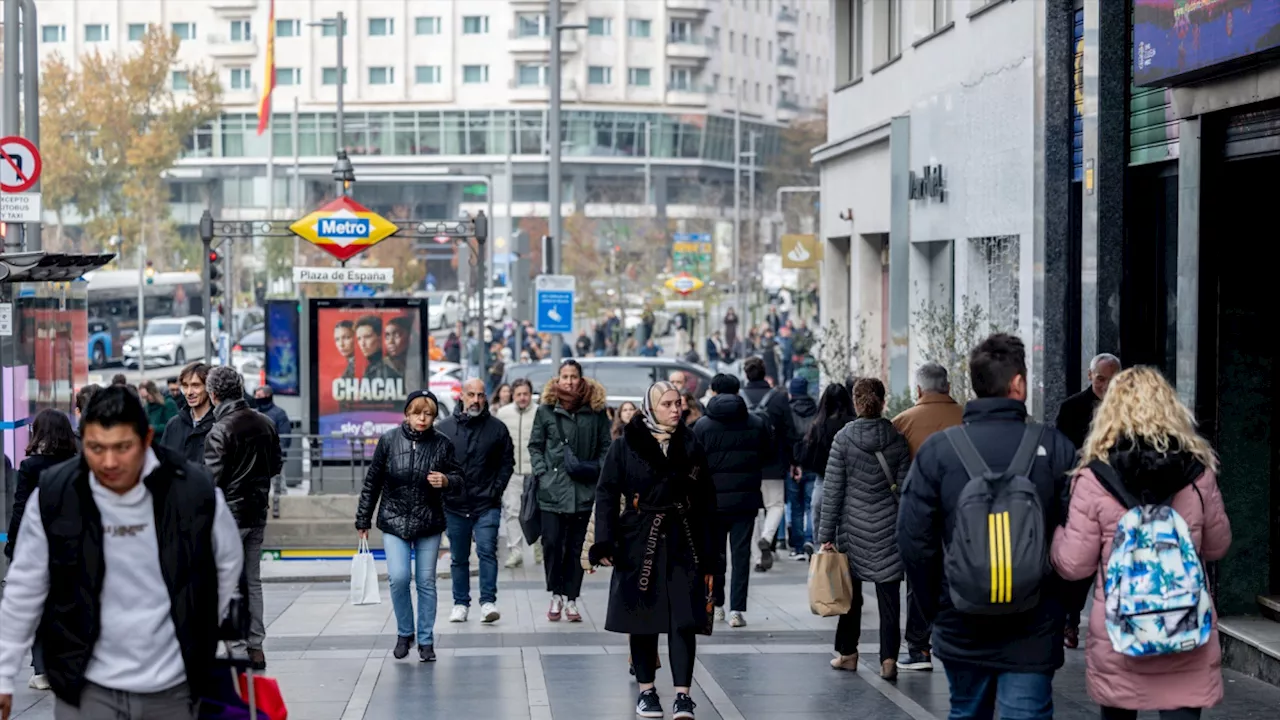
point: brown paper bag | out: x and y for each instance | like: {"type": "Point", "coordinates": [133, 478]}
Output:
{"type": "Point", "coordinates": [830, 584]}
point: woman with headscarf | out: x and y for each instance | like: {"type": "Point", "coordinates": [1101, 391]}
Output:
{"type": "Point", "coordinates": [653, 505]}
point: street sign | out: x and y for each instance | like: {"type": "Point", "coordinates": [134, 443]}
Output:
{"type": "Point", "coordinates": [695, 305]}
{"type": "Point", "coordinates": [344, 276]}
{"type": "Point", "coordinates": [20, 164]}
{"type": "Point", "coordinates": [344, 228]}
{"type": "Point", "coordinates": [684, 283]}
{"type": "Point", "coordinates": [554, 302]}
{"type": "Point", "coordinates": [800, 251]}
{"type": "Point", "coordinates": [20, 207]}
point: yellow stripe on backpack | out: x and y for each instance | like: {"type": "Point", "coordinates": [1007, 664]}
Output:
{"type": "Point", "coordinates": [1001, 549]}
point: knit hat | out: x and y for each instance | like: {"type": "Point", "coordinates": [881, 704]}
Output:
{"type": "Point", "coordinates": [798, 386]}
{"type": "Point", "coordinates": [420, 394]}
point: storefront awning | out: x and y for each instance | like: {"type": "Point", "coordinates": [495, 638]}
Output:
{"type": "Point", "coordinates": [49, 267]}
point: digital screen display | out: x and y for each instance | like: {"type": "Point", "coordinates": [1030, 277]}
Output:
{"type": "Point", "coordinates": [283, 347]}
{"type": "Point", "coordinates": [1182, 39]}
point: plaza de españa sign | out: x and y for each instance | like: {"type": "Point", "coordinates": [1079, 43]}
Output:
{"type": "Point", "coordinates": [344, 228]}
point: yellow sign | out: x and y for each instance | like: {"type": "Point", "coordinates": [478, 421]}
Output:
{"type": "Point", "coordinates": [344, 228]}
{"type": "Point", "coordinates": [684, 283]}
{"type": "Point", "coordinates": [801, 251]}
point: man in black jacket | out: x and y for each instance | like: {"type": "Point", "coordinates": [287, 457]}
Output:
{"type": "Point", "coordinates": [242, 453]}
{"type": "Point", "coordinates": [1008, 659]}
{"type": "Point", "coordinates": [737, 446]}
{"type": "Point", "coordinates": [128, 560]}
{"type": "Point", "coordinates": [473, 507]}
{"type": "Point", "coordinates": [186, 431]}
{"type": "Point", "coordinates": [773, 401]}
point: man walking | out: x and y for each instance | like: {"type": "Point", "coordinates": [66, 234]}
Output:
{"type": "Point", "coordinates": [482, 446]}
{"type": "Point", "coordinates": [772, 403]}
{"type": "Point", "coordinates": [518, 416]}
{"type": "Point", "coordinates": [186, 432]}
{"type": "Point", "coordinates": [242, 453]}
{"type": "Point", "coordinates": [266, 400]}
{"type": "Point", "coordinates": [800, 484]}
{"type": "Point", "coordinates": [1005, 659]}
{"type": "Point", "coordinates": [128, 559]}
{"type": "Point", "coordinates": [934, 411]}
{"type": "Point", "coordinates": [737, 446]}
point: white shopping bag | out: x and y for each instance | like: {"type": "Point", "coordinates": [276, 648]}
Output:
{"type": "Point", "coordinates": [364, 577]}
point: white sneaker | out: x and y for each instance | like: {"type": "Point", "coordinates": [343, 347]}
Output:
{"type": "Point", "coordinates": [488, 613]}
{"type": "Point", "coordinates": [737, 620]}
{"type": "Point", "coordinates": [719, 616]}
{"type": "Point", "coordinates": [38, 682]}
{"type": "Point", "coordinates": [459, 613]}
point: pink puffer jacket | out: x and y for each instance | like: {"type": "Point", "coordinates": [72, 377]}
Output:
{"type": "Point", "coordinates": [1185, 680]}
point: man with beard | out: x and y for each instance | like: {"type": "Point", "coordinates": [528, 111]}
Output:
{"type": "Point", "coordinates": [344, 337]}
{"type": "Point", "coordinates": [473, 507]}
{"type": "Point", "coordinates": [395, 345]}
{"type": "Point", "coordinates": [185, 432]}
{"type": "Point", "coordinates": [369, 338]}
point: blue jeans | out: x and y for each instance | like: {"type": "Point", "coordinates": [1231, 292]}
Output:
{"type": "Point", "coordinates": [800, 498]}
{"type": "Point", "coordinates": [484, 527]}
{"type": "Point", "coordinates": [815, 508]}
{"type": "Point", "coordinates": [425, 551]}
{"type": "Point", "coordinates": [976, 692]}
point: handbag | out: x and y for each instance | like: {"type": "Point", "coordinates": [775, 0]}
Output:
{"type": "Point", "coordinates": [579, 470]}
{"type": "Point", "coordinates": [830, 584]}
{"type": "Point", "coordinates": [364, 577]}
{"type": "Point", "coordinates": [530, 515]}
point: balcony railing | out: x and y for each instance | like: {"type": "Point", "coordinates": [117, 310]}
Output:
{"type": "Point", "coordinates": [788, 15]}
{"type": "Point", "coordinates": [692, 87]}
{"type": "Point", "coordinates": [788, 101]}
{"type": "Point", "coordinates": [698, 40]}
{"type": "Point", "coordinates": [790, 58]}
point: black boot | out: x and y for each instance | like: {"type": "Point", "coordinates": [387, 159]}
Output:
{"type": "Point", "coordinates": [402, 647]}
{"type": "Point", "coordinates": [426, 653]}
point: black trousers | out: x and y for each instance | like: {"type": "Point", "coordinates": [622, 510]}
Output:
{"type": "Point", "coordinates": [736, 529]}
{"type": "Point", "coordinates": [849, 629]}
{"type": "Point", "coordinates": [1119, 714]}
{"type": "Point", "coordinates": [683, 647]}
{"type": "Point", "coordinates": [1075, 595]}
{"type": "Point", "coordinates": [562, 538]}
{"type": "Point", "coordinates": [919, 635]}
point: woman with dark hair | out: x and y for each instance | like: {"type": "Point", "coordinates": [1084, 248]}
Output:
{"type": "Point", "coordinates": [868, 464]}
{"type": "Point", "coordinates": [693, 409]}
{"type": "Point", "coordinates": [621, 417]}
{"type": "Point", "coordinates": [653, 509]}
{"type": "Point", "coordinates": [835, 410]}
{"type": "Point", "coordinates": [501, 397]}
{"type": "Point", "coordinates": [52, 441]}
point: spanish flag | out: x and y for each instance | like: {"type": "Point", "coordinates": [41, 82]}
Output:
{"type": "Point", "coordinates": [269, 83]}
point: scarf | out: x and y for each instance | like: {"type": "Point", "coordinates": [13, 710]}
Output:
{"type": "Point", "coordinates": [660, 432]}
{"type": "Point", "coordinates": [571, 400]}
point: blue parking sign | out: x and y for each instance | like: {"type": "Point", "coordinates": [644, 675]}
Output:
{"type": "Point", "coordinates": [554, 303]}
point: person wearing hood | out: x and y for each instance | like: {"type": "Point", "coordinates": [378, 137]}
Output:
{"type": "Point", "coordinates": [736, 443]}
{"type": "Point", "coordinates": [570, 438]}
{"type": "Point", "coordinates": [800, 485]}
{"type": "Point", "coordinates": [835, 410]}
{"type": "Point", "coordinates": [473, 507]}
{"type": "Point", "coordinates": [412, 466]}
{"type": "Point", "coordinates": [185, 433]}
{"type": "Point", "coordinates": [1143, 449]}
{"type": "Point", "coordinates": [868, 464]}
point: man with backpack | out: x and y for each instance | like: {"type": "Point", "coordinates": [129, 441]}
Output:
{"type": "Point", "coordinates": [770, 405]}
{"type": "Point", "coordinates": [995, 604]}
{"type": "Point", "coordinates": [800, 485]}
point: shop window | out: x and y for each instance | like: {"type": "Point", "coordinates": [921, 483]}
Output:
{"type": "Point", "coordinates": [993, 281]}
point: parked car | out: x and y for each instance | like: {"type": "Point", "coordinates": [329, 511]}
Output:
{"type": "Point", "coordinates": [442, 308]}
{"type": "Point", "coordinates": [623, 378]}
{"type": "Point", "coordinates": [249, 358]}
{"type": "Point", "coordinates": [167, 341]}
{"type": "Point", "coordinates": [498, 304]}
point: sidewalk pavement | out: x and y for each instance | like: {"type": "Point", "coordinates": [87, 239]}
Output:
{"type": "Point", "coordinates": [333, 661]}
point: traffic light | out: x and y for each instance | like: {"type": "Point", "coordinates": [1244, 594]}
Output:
{"type": "Point", "coordinates": [150, 273]}
{"type": "Point", "coordinates": [215, 274]}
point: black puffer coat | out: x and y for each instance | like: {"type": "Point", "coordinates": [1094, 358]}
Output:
{"type": "Point", "coordinates": [482, 446]}
{"type": "Point", "coordinates": [860, 504]}
{"type": "Point", "coordinates": [187, 436]}
{"type": "Point", "coordinates": [410, 508]}
{"type": "Point", "coordinates": [737, 446]}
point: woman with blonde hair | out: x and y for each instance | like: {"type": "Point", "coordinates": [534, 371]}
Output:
{"type": "Point", "coordinates": [1143, 450]}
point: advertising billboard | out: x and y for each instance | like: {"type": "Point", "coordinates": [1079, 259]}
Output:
{"type": "Point", "coordinates": [283, 347]}
{"type": "Point", "coordinates": [1182, 40]}
{"type": "Point", "coordinates": [367, 355]}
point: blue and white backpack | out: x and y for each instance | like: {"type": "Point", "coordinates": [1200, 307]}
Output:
{"type": "Point", "coordinates": [1157, 597]}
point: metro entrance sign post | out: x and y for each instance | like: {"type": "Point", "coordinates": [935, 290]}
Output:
{"type": "Point", "coordinates": [344, 228]}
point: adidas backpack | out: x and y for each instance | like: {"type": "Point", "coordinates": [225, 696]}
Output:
{"type": "Point", "coordinates": [999, 550]}
{"type": "Point", "coordinates": [1157, 602]}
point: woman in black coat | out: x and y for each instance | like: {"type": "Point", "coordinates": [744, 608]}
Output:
{"type": "Point", "coordinates": [660, 543]}
{"type": "Point", "coordinates": [411, 466]}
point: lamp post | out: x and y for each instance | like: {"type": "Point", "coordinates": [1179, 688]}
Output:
{"type": "Point", "coordinates": [553, 163]}
{"type": "Point", "coordinates": [339, 23]}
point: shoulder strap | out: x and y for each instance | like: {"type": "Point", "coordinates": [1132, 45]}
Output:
{"type": "Point", "coordinates": [884, 465]}
{"type": "Point", "coordinates": [969, 456]}
{"type": "Point", "coordinates": [764, 399]}
{"type": "Point", "coordinates": [1025, 457]}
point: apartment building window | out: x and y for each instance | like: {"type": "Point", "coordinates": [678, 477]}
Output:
{"type": "Point", "coordinates": [288, 28]}
{"type": "Point", "coordinates": [732, 40]}
{"type": "Point", "coordinates": [241, 31]}
{"type": "Point", "coordinates": [888, 31]}
{"type": "Point", "coordinates": [941, 14]}
{"type": "Point", "coordinates": [639, 28]}
{"type": "Point", "coordinates": [769, 96]}
{"type": "Point", "coordinates": [288, 77]}
{"type": "Point", "coordinates": [475, 25]}
{"type": "Point", "coordinates": [382, 27]}
{"type": "Point", "coordinates": [136, 31]}
{"type": "Point", "coordinates": [680, 31]}
{"type": "Point", "coordinates": [97, 33]}
{"type": "Point", "coordinates": [639, 77]}
{"type": "Point", "coordinates": [329, 76]}
{"type": "Point", "coordinates": [600, 75]}
{"type": "Point", "coordinates": [180, 80]}
{"type": "Point", "coordinates": [758, 46]}
{"type": "Point", "coordinates": [531, 25]}
{"type": "Point", "coordinates": [475, 74]}
{"type": "Point", "coordinates": [330, 27]}
{"type": "Point", "coordinates": [382, 75]}
{"type": "Point", "coordinates": [53, 33]}
{"type": "Point", "coordinates": [426, 25]}
{"type": "Point", "coordinates": [746, 44]}
{"type": "Point", "coordinates": [600, 26]}
{"type": "Point", "coordinates": [240, 79]}
{"type": "Point", "coordinates": [531, 75]}
{"type": "Point", "coordinates": [715, 82]}
{"type": "Point", "coordinates": [679, 78]}
{"type": "Point", "coordinates": [770, 53]}
{"type": "Point", "coordinates": [757, 92]}
{"type": "Point", "coordinates": [426, 75]}
{"type": "Point", "coordinates": [848, 41]}
{"type": "Point", "coordinates": [184, 30]}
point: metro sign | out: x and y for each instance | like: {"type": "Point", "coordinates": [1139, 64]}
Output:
{"type": "Point", "coordinates": [684, 283]}
{"type": "Point", "coordinates": [344, 228]}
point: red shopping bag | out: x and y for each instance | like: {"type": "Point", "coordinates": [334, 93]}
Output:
{"type": "Point", "coordinates": [267, 694]}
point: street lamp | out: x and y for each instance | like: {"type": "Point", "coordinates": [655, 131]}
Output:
{"type": "Point", "coordinates": [553, 164]}
{"type": "Point", "coordinates": [343, 172]}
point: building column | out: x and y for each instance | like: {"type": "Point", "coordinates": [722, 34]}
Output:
{"type": "Point", "coordinates": [1188, 321]}
{"type": "Point", "coordinates": [899, 254]}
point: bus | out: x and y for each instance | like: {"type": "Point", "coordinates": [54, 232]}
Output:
{"type": "Point", "coordinates": [113, 307]}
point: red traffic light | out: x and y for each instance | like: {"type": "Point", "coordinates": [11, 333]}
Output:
{"type": "Point", "coordinates": [442, 239]}
{"type": "Point", "coordinates": [213, 256]}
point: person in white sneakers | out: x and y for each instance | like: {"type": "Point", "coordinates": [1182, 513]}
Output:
{"type": "Point", "coordinates": [518, 416]}
{"type": "Point", "coordinates": [127, 559]}
{"type": "Point", "coordinates": [473, 507]}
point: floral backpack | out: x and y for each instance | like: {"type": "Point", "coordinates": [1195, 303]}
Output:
{"type": "Point", "coordinates": [1157, 597]}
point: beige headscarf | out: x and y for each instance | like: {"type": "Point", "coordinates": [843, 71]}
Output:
{"type": "Point", "coordinates": [660, 432]}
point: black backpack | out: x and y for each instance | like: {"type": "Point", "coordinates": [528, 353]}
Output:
{"type": "Point", "coordinates": [761, 410]}
{"type": "Point", "coordinates": [999, 550]}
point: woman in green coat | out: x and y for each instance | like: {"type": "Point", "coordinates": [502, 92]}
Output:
{"type": "Point", "coordinates": [569, 440]}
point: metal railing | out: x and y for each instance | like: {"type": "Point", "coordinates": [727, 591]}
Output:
{"type": "Point", "coordinates": [329, 464]}
{"type": "Point", "coordinates": [788, 15]}
{"type": "Point", "coordinates": [789, 58]}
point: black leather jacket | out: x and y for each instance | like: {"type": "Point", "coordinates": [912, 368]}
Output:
{"type": "Point", "coordinates": [242, 453]}
{"type": "Point", "coordinates": [410, 508]}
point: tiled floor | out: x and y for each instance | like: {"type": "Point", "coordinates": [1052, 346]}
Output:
{"type": "Point", "coordinates": [333, 662]}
